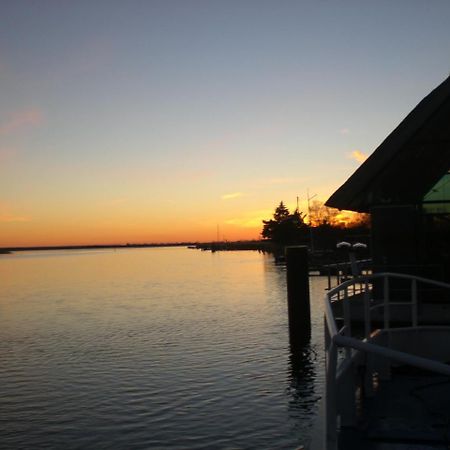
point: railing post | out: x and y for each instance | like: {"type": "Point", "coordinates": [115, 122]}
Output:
{"type": "Point", "coordinates": [338, 270]}
{"type": "Point", "coordinates": [367, 327]}
{"type": "Point", "coordinates": [368, 375]}
{"type": "Point", "coordinates": [330, 398]}
{"type": "Point", "coordinates": [347, 321]}
{"type": "Point", "coordinates": [327, 337]}
{"type": "Point", "coordinates": [346, 398]}
{"type": "Point", "coordinates": [414, 303]}
{"type": "Point", "coordinates": [386, 301]}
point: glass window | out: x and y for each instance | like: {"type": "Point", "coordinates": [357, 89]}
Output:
{"type": "Point", "coordinates": [437, 200]}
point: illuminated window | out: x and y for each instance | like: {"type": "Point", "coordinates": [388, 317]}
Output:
{"type": "Point", "coordinates": [437, 200]}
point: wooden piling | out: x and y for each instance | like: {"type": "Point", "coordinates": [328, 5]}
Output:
{"type": "Point", "coordinates": [298, 294]}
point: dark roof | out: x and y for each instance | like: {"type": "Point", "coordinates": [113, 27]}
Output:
{"type": "Point", "coordinates": [407, 163]}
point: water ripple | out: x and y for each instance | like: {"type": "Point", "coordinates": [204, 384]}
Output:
{"type": "Point", "coordinates": [156, 348]}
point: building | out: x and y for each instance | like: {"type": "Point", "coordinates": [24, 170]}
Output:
{"type": "Point", "coordinates": [405, 186]}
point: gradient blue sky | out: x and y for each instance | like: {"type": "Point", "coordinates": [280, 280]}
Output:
{"type": "Point", "coordinates": [132, 121]}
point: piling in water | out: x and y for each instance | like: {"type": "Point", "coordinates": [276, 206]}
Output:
{"type": "Point", "coordinates": [298, 294]}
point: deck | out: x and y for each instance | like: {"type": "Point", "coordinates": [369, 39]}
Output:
{"type": "Point", "coordinates": [387, 380]}
{"type": "Point", "coordinates": [410, 411]}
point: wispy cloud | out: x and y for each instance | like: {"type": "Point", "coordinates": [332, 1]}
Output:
{"type": "Point", "coordinates": [22, 119]}
{"type": "Point", "coordinates": [7, 214]}
{"type": "Point", "coordinates": [358, 156]}
{"type": "Point", "coordinates": [8, 217]}
{"type": "Point", "coordinates": [344, 131]}
{"type": "Point", "coordinates": [232, 196]}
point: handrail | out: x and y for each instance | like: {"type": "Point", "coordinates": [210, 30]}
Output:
{"type": "Point", "coordinates": [331, 323]}
{"type": "Point", "coordinates": [336, 338]}
{"type": "Point", "coordinates": [402, 357]}
{"type": "Point", "coordinates": [363, 278]}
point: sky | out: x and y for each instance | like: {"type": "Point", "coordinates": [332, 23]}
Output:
{"type": "Point", "coordinates": [162, 121]}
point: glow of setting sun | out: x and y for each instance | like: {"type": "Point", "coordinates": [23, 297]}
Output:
{"type": "Point", "coordinates": [160, 122]}
{"type": "Point", "coordinates": [346, 218]}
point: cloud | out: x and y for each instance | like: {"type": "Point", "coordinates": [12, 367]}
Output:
{"type": "Point", "coordinates": [344, 131]}
{"type": "Point", "coordinates": [8, 217]}
{"type": "Point", "coordinates": [7, 214]}
{"type": "Point", "coordinates": [358, 156]}
{"type": "Point", "coordinates": [27, 118]}
{"type": "Point", "coordinates": [231, 196]}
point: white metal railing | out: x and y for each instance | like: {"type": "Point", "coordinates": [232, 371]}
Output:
{"type": "Point", "coordinates": [345, 350]}
{"type": "Point", "coordinates": [345, 270]}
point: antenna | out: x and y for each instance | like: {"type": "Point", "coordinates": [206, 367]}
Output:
{"type": "Point", "coordinates": [311, 238]}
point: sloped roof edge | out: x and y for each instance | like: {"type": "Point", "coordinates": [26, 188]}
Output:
{"type": "Point", "coordinates": [348, 196]}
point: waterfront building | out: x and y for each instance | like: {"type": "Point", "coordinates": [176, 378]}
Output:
{"type": "Point", "coordinates": [405, 186]}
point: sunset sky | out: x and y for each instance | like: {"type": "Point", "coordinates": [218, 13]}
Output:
{"type": "Point", "coordinates": [157, 121]}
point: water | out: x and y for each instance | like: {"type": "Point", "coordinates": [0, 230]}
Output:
{"type": "Point", "coordinates": [161, 348]}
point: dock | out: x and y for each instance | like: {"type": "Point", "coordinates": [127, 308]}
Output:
{"type": "Point", "coordinates": [408, 411]}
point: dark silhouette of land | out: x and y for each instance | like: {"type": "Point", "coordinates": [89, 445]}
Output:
{"type": "Point", "coordinates": [93, 247]}
{"type": "Point", "coordinates": [258, 245]}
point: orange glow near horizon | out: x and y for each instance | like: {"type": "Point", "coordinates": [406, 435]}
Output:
{"type": "Point", "coordinates": [119, 238]}
{"type": "Point", "coordinates": [125, 221]}
{"type": "Point", "coordinates": [347, 218]}
{"type": "Point", "coordinates": [29, 234]}
{"type": "Point", "coordinates": [121, 223]}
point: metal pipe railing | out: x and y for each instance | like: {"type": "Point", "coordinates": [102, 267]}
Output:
{"type": "Point", "coordinates": [343, 338]}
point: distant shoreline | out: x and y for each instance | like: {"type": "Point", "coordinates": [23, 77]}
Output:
{"type": "Point", "coordinates": [237, 245]}
{"type": "Point", "coordinates": [4, 250]}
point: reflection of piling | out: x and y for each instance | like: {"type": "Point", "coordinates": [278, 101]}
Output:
{"type": "Point", "coordinates": [298, 293]}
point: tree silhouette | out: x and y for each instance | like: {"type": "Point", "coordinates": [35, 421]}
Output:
{"type": "Point", "coordinates": [281, 213]}
{"type": "Point", "coordinates": [285, 228]}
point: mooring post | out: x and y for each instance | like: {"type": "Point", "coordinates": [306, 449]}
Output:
{"type": "Point", "coordinates": [298, 293]}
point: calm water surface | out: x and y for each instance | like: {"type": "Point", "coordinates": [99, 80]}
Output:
{"type": "Point", "coordinates": [161, 348]}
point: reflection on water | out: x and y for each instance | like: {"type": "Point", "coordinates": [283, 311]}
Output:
{"type": "Point", "coordinates": [153, 348]}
